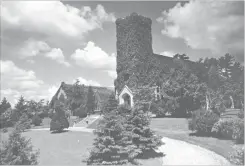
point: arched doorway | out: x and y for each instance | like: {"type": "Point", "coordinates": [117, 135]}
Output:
{"type": "Point", "coordinates": [127, 99]}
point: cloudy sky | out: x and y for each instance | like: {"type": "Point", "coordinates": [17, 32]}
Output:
{"type": "Point", "coordinates": [45, 43]}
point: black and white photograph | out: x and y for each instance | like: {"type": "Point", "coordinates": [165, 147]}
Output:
{"type": "Point", "coordinates": [128, 83]}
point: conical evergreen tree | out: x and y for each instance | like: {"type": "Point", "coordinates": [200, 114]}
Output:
{"type": "Point", "coordinates": [23, 123]}
{"type": "Point", "coordinates": [90, 104]}
{"type": "Point", "coordinates": [4, 105]}
{"type": "Point", "coordinates": [142, 137]}
{"type": "Point", "coordinates": [108, 144]}
{"type": "Point", "coordinates": [111, 104]}
{"type": "Point", "coordinates": [19, 109]}
{"type": "Point", "coordinates": [122, 137]}
{"type": "Point", "coordinates": [18, 151]}
{"type": "Point", "coordinates": [59, 120]}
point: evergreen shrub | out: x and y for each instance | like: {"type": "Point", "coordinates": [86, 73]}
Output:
{"type": "Point", "coordinates": [202, 121]}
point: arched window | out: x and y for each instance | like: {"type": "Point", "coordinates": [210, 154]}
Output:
{"type": "Point", "coordinates": [127, 99]}
{"type": "Point", "coordinates": [158, 92]}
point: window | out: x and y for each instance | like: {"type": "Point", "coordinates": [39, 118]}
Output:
{"type": "Point", "coordinates": [158, 89]}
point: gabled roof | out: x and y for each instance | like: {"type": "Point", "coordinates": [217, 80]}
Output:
{"type": "Point", "coordinates": [125, 86]}
{"type": "Point", "coordinates": [101, 93]}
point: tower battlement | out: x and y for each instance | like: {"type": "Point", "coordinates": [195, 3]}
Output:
{"type": "Point", "coordinates": [134, 18]}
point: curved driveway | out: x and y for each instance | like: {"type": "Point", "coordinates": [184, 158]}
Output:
{"type": "Point", "coordinates": [183, 153]}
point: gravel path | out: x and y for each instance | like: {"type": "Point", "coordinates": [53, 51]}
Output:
{"type": "Point", "coordinates": [182, 153]}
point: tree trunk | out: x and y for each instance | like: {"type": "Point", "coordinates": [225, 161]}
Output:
{"type": "Point", "coordinates": [232, 102]}
{"type": "Point", "coordinates": [207, 103]}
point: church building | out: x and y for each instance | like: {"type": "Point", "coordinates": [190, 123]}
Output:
{"type": "Point", "coordinates": [134, 51]}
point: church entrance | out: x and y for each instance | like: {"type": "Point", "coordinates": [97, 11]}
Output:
{"type": "Point", "coordinates": [127, 99]}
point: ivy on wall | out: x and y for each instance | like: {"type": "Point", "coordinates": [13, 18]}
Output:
{"type": "Point", "coordinates": [136, 65]}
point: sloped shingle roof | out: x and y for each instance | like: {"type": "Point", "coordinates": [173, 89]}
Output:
{"type": "Point", "coordinates": [101, 93]}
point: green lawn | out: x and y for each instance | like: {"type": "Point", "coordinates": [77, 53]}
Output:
{"type": "Point", "coordinates": [65, 149]}
{"type": "Point", "coordinates": [62, 148]}
{"type": "Point", "coordinates": [177, 128]}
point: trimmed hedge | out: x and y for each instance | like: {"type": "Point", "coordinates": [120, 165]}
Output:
{"type": "Point", "coordinates": [59, 120]}
{"type": "Point", "coordinates": [202, 121]}
{"type": "Point", "coordinates": [59, 125]}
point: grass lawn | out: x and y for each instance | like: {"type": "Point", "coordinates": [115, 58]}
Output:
{"type": "Point", "coordinates": [71, 147]}
{"type": "Point", "coordinates": [65, 149]}
{"type": "Point", "coordinates": [177, 128]}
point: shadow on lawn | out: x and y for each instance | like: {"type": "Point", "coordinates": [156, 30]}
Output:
{"type": "Point", "coordinates": [150, 154]}
{"type": "Point", "coordinates": [199, 134]}
{"type": "Point", "coordinates": [57, 132]}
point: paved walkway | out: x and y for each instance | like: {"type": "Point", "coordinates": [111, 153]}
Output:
{"type": "Point", "coordinates": [83, 122]}
{"type": "Point", "coordinates": [182, 153]}
{"type": "Point", "coordinates": [83, 129]}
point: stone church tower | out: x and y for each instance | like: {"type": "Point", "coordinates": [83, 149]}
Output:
{"type": "Point", "coordinates": [134, 46]}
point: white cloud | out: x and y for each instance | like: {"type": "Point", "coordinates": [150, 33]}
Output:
{"type": "Point", "coordinates": [57, 55]}
{"type": "Point", "coordinates": [94, 57]}
{"type": "Point", "coordinates": [51, 91]}
{"type": "Point", "coordinates": [13, 95]}
{"type": "Point", "coordinates": [53, 18]}
{"type": "Point", "coordinates": [112, 73]}
{"type": "Point", "coordinates": [86, 82]}
{"type": "Point", "coordinates": [214, 25]}
{"type": "Point", "coordinates": [32, 48]}
{"type": "Point", "coordinates": [31, 61]}
{"type": "Point", "coordinates": [16, 82]}
{"type": "Point", "coordinates": [167, 53]}
{"type": "Point", "coordinates": [12, 76]}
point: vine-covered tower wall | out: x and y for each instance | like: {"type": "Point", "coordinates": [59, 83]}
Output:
{"type": "Point", "coordinates": [134, 47]}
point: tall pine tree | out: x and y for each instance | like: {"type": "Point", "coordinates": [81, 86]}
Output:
{"type": "Point", "coordinates": [122, 136]}
{"type": "Point", "coordinates": [109, 142]}
{"type": "Point", "coordinates": [19, 109]}
{"type": "Point", "coordinates": [138, 130]}
{"type": "Point", "coordinates": [4, 105]}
